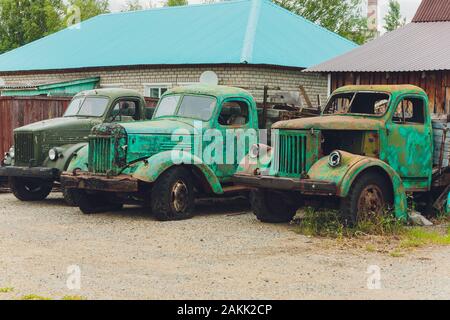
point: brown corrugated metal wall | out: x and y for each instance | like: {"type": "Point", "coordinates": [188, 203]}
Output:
{"type": "Point", "coordinates": [436, 84]}
{"type": "Point", "coordinates": [16, 112]}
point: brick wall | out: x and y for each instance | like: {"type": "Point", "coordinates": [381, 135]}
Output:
{"type": "Point", "coordinates": [241, 76]}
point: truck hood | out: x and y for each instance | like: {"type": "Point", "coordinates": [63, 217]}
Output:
{"type": "Point", "coordinates": [158, 127]}
{"type": "Point", "coordinates": [59, 124]}
{"type": "Point", "coordinates": [331, 123]}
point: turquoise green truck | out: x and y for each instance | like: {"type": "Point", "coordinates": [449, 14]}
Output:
{"type": "Point", "coordinates": [43, 150]}
{"type": "Point", "coordinates": [187, 150]}
{"type": "Point", "coordinates": [371, 147]}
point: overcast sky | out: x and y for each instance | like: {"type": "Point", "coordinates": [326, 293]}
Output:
{"type": "Point", "coordinates": [409, 7]}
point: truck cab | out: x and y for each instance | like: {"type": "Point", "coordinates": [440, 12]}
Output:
{"type": "Point", "coordinates": [370, 146]}
{"type": "Point", "coordinates": [192, 146]}
{"type": "Point", "coordinates": [43, 150]}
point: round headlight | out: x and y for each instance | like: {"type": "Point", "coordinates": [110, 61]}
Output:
{"type": "Point", "coordinates": [53, 154]}
{"type": "Point", "coordinates": [335, 159]}
{"type": "Point", "coordinates": [254, 151]}
{"type": "Point", "coordinates": [11, 153]}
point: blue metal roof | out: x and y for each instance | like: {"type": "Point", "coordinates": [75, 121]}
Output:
{"type": "Point", "coordinates": [242, 31]}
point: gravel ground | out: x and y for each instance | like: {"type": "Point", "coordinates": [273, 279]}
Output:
{"type": "Point", "coordinates": [223, 253]}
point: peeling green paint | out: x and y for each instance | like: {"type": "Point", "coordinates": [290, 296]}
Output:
{"type": "Point", "coordinates": [401, 151]}
{"type": "Point", "coordinates": [144, 150]}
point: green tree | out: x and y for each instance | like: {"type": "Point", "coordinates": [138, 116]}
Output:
{"type": "Point", "coordinates": [23, 21]}
{"type": "Point", "coordinates": [90, 8]}
{"type": "Point", "coordinates": [174, 3]}
{"type": "Point", "coordinates": [344, 17]}
{"type": "Point", "coordinates": [393, 19]}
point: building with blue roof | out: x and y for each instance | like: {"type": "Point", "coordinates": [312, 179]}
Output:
{"type": "Point", "coordinates": [246, 43]}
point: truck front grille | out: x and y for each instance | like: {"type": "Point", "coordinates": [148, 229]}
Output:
{"type": "Point", "coordinates": [100, 158]}
{"type": "Point", "coordinates": [24, 147]}
{"type": "Point", "coordinates": [290, 153]}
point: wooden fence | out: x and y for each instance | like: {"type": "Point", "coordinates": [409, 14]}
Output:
{"type": "Point", "coordinates": [16, 112]}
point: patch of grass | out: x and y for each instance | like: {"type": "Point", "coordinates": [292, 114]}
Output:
{"type": "Point", "coordinates": [328, 223]}
{"type": "Point", "coordinates": [419, 237]}
{"type": "Point", "coordinates": [396, 253]}
{"type": "Point", "coordinates": [74, 298]}
{"type": "Point", "coordinates": [371, 248]}
{"type": "Point", "coordinates": [320, 223]}
{"type": "Point", "coordinates": [6, 290]}
{"type": "Point", "coordinates": [34, 297]}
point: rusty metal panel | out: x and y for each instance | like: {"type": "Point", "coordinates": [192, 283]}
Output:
{"type": "Point", "coordinates": [415, 47]}
{"type": "Point", "coordinates": [16, 112]}
{"type": "Point", "coordinates": [432, 11]}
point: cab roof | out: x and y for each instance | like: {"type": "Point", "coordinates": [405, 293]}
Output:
{"type": "Point", "coordinates": [212, 90]}
{"type": "Point", "coordinates": [406, 88]}
{"type": "Point", "coordinates": [110, 92]}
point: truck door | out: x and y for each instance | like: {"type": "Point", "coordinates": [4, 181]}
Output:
{"type": "Point", "coordinates": [235, 125]}
{"type": "Point", "coordinates": [409, 148]}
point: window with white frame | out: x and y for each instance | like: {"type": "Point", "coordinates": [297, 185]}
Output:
{"type": "Point", "coordinates": [156, 90]}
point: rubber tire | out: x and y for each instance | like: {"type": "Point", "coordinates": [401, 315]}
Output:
{"type": "Point", "coordinates": [18, 187]}
{"type": "Point", "coordinates": [69, 197]}
{"type": "Point", "coordinates": [272, 207]}
{"type": "Point", "coordinates": [349, 205]}
{"type": "Point", "coordinates": [94, 203]}
{"type": "Point", "coordinates": [161, 194]}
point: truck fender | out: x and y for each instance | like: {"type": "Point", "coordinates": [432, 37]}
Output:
{"type": "Point", "coordinates": [80, 159]}
{"type": "Point", "coordinates": [153, 167]}
{"type": "Point", "coordinates": [400, 198]}
{"type": "Point", "coordinates": [66, 154]}
{"type": "Point", "coordinates": [351, 167]}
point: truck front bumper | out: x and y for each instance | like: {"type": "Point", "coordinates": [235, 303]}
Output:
{"type": "Point", "coordinates": [87, 181]}
{"type": "Point", "coordinates": [25, 172]}
{"type": "Point", "coordinates": [305, 186]}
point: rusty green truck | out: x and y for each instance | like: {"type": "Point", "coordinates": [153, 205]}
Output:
{"type": "Point", "coordinates": [43, 150]}
{"type": "Point", "coordinates": [371, 147]}
{"type": "Point", "coordinates": [167, 162]}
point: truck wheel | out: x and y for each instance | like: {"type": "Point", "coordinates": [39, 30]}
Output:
{"type": "Point", "coordinates": [369, 198]}
{"type": "Point", "coordinates": [69, 197]}
{"type": "Point", "coordinates": [90, 203]}
{"type": "Point", "coordinates": [272, 207]}
{"type": "Point", "coordinates": [26, 189]}
{"type": "Point", "coordinates": [173, 196]}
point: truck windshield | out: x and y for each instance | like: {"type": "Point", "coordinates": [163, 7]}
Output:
{"type": "Point", "coordinates": [369, 103]}
{"type": "Point", "coordinates": [87, 107]}
{"type": "Point", "coordinates": [196, 107]}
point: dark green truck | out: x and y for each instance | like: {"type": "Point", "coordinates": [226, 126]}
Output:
{"type": "Point", "coordinates": [43, 150]}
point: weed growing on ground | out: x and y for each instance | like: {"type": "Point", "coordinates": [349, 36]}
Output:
{"type": "Point", "coordinates": [388, 232]}
{"type": "Point", "coordinates": [328, 223]}
{"type": "Point", "coordinates": [6, 290]}
{"type": "Point", "coordinates": [34, 297]}
{"type": "Point", "coordinates": [74, 298]}
{"type": "Point", "coordinates": [419, 237]}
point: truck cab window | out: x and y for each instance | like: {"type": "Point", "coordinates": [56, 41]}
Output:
{"type": "Point", "coordinates": [410, 110]}
{"type": "Point", "coordinates": [125, 111]}
{"type": "Point", "coordinates": [369, 103]}
{"type": "Point", "coordinates": [234, 113]}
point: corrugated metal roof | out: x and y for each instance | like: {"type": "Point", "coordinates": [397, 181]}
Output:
{"type": "Point", "coordinates": [243, 31]}
{"type": "Point", "coordinates": [415, 47]}
{"type": "Point", "coordinates": [433, 11]}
